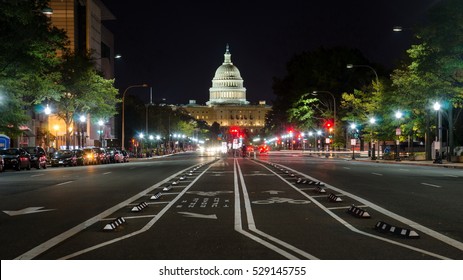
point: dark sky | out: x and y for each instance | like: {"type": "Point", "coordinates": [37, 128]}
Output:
{"type": "Point", "coordinates": [176, 46]}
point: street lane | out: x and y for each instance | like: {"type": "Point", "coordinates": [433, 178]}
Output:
{"type": "Point", "coordinates": [242, 209]}
{"type": "Point", "coordinates": [88, 191]}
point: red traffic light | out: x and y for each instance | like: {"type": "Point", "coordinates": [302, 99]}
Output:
{"type": "Point", "coordinates": [329, 124]}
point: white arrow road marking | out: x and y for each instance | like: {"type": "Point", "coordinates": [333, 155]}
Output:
{"type": "Point", "coordinates": [196, 215]}
{"type": "Point", "coordinates": [273, 192]}
{"type": "Point", "coordinates": [28, 210]}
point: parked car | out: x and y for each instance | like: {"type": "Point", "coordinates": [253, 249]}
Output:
{"type": "Point", "coordinates": [115, 156]}
{"type": "Point", "coordinates": [38, 157]}
{"type": "Point", "coordinates": [125, 156]}
{"type": "Point", "coordinates": [89, 156]}
{"type": "Point", "coordinates": [79, 156]}
{"type": "Point", "coordinates": [101, 155]}
{"type": "Point", "coordinates": [2, 164]}
{"type": "Point", "coordinates": [63, 158]}
{"type": "Point", "coordinates": [16, 158]}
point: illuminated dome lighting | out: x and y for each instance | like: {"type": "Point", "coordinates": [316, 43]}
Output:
{"type": "Point", "coordinates": [227, 84]}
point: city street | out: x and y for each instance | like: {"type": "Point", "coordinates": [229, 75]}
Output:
{"type": "Point", "coordinates": [266, 207]}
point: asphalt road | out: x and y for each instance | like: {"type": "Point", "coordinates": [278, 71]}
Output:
{"type": "Point", "coordinates": [271, 207]}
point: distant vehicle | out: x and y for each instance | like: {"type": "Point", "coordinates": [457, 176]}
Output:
{"type": "Point", "coordinates": [89, 156]}
{"type": "Point", "coordinates": [63, 158]}
{"type": "Point", "coordinates": [79, 156]}
{"type": "Point", "coordinates": [16, 158]}
{"type": "Point", "coordinates": [38, 157]}
{"type": "Point", "coordinates": [263, 149]}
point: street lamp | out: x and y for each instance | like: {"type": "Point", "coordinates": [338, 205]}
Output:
{"type": "Point", "coordinates": [353, 140]}
{"type": "Point", "coordinates": [438, 142]}
{"type": "Point", "coordinates": [315, 93]}
{"type": "Point", "coordinates": [123, 112]}
{"type": "Point", "coordinates": [101, 123]}
{"type": "Point", "coordinates": [398, 132]}
{"type": "Point", "coordinates": [82, 119]}
{"type": "Point", "coordinates": [350, 66]}
{"type": "Point", "coordinates": [372, 123]}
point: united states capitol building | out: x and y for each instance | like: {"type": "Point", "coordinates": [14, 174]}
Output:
{"type": "Point", "coordinates": [227, 103]}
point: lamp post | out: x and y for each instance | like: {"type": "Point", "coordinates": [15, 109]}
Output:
{"type": "Point", "coordinates": [123, 112]}
{"type": "Point", "coordinates": [350, 66]}
{"type": "Point", "coordinates": [438, 142]}
{"type": "Point", "coordinates": [82, 119]}
{"type": "Point", "coordinates": [353, 140]}
{"type": "Point", "coordinates": [372, 123]}
{"type": "Point", "coordinates": [101, 123]}
{"type": "Point", "coordinates": [315, 93]}
{"type": "Point", "coordinates": [398, 132]}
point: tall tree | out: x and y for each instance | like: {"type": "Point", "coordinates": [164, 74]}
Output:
{"type": "Point", "coordinates": [434, 71]}
{"type": "Point", "coordinates": [28, 46]}
{"type": "Point", "coordinates": [318, 70]}
{"type": "Point", "coordinates": [84, 92]}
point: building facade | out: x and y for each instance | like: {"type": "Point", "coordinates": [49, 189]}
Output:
{"type": "Point", "coordinates": [82, 20]}
{"type": "Point", "coordinates": [227, 103]}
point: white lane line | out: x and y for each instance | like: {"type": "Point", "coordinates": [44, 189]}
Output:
{"type": "Point", "coordinates": [453, 176]}
{"type": "Point", "coordinates": [431, 185]}
{"type": "Point", "coordinates": [34, 252]}
{"type": "Point", "coordinates": [344, 207]}
{"type": "Point", "coordinates": [64, 183]}
{"type": "Point", "coordinates": [252, 226]}
{"type": "Point", "coordinates": [106, 173]}
{"type": "Point", "coordinates": [401, 169]}
{"type": "Point", "coordinates": [423, 229]}
{"type": "Point", "coordinates": [428, 231]}
{"type": "Point", "coordinates": [131, 217]}
{"type": "Point", "coordinates": [238, 222]}
{"type": "Point", "coordinates": [346, 167]}
{"type": "Point", "coordinates": [377, 174]}
{"type": "Point", "coordinates": [37, 175]}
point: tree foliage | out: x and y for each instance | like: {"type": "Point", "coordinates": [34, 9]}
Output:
{"type": "Point", "coordinates": [28, 46]}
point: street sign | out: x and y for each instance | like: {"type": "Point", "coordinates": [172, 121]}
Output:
{"type": "Point", "coordinates": [398, 131]}
{"type": "Point", "coordinates": [353, 142]}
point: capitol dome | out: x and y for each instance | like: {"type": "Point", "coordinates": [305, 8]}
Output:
{"type": "Point", "coordinates": [227, 84]}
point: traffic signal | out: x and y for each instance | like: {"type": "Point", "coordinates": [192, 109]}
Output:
{"type": "Point", "coordinates": [329, 124]}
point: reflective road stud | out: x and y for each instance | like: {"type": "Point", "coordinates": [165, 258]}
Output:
{"type": "Point", "coordinates": [139, 207]}
{"type": "Point", "coordinates": [407, 233]}
{"type": "Point", "coordinates": [358, 212]}
{"type": "Point", "coordinates": [114, 224]}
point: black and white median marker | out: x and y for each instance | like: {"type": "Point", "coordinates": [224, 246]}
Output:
{"type": "Point", "coordinates": [156, 196]}
{"type": "Point", "coordinates": [334, 198]}
{"type": "Point", "coordinates": [114, 224]}
{"type": "Point", "coordinates": [320, 189]}
{"type": "Point", "coordinates": [139, 207]}
{"type": "Point", "coordinates": [167, 188]}
{"type": "Point", "coordinates": [387, 228]}
{"type": "Point", "coordinates": [358, 212]}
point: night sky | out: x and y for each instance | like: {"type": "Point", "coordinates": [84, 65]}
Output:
{"type": "Point", "coordinates": [176, 46]}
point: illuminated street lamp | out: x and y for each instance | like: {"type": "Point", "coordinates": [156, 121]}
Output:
{"type": "Point", "coordinates": [123, 112]}
{"type": "Point", "coordinates": [438, 143]}
{"type": "Point", "coordinates": [353, 140]}
{"type": "Point", "coordinates": [398, 132]}
{"type": "Point", "coordinates": [82, 119]}
{"type": "Point", "coordinates": [101, 123]}
{"type": "Point", "coordinates": [350, 66]}
{"type": "Point", "coordinates": [372, 123]}
{"type": "Point", "coordinates": [315, 92]}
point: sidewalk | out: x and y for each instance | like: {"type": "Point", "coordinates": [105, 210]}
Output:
{"type": "Point", "coordinates": [363, 156]}
{"type": "Point", "coordinates": [417, 162]}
